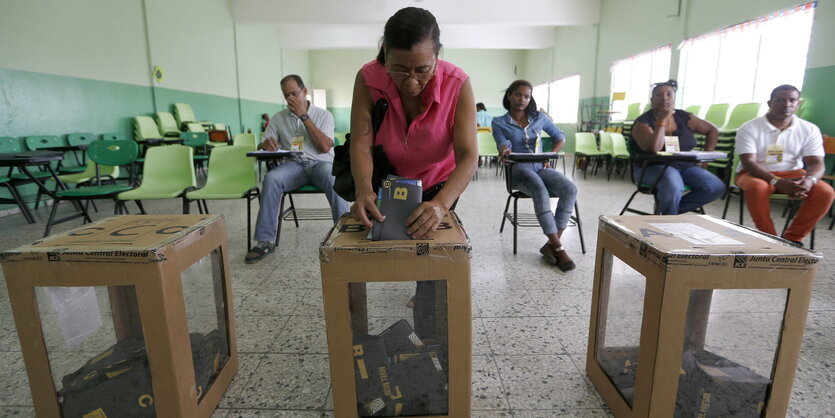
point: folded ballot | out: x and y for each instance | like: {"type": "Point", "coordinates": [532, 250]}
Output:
{"type": "Point", "coordinates": [397, 199]}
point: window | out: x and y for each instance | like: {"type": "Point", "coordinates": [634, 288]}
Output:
{"type": "Point", "coordinates": [564, 99]}
{"type": "Point", "coordinates": [744, 62]}
{"type": "Point", "coordinates": [540, 94]}
{"type": "Point", "coordinates": [634, 76]}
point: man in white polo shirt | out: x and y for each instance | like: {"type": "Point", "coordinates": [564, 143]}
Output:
{"type": "Point", "coordinates": [772, 151]}
{"type": "Point", "coordinates": [300, 127]}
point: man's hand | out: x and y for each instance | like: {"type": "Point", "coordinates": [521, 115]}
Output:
{"type": "Point", "coordinates": [365, 205]}
{"type": "Point", "coordinates": [424, 221]}
{"type": "Point", "coordinates": [792, 187]}
{"type": "Point", "coordinates": [270, 144]}
{"type": "Point", "coordinates": [296, 105]}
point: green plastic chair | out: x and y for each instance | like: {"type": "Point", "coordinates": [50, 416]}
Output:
{"type": "Point", "coordinates": [487, 148]}
{"type": "Point", "coordinates": [167, 124]}
{"type": "Point", "coordinates": [89, 173]}
{"type": "Point", "coordinates": [231, 175]}
{"type": "Point", "coordinates": [547, 145]}
{"type": "Point", "coordinates": [113, 137]}
{"type": "Point", "coordinates": [105, 156]}
{"type": "Point", "coordinates": [198, 141]}
{"type": "Point", "coordinates": [167, 174]}
{"type": "Point", "coordinates": [10, 145]}
{"type": "Point", "coordinates": [585, 145]}
{"type": "Point", "coordinates": [77, 139]}
{"type": "Point", "coordinates": [248, 140]}
{"type": "Point", "coordinates": [633, 111]}
{"type": "Point", "coordinates": [717, 114]}
{"type": "Point", "coordinates": [184, 114]}
{"type": "Point", "coordinates": [742, 113]}
{"type": "Point", "coordinates": [146, 129]}
{"type": "Point", "coordinates": [620, 153]}
{"type": "Point", "coordinates": [647, 107]}
{"type": "Point", "coordinates": [42, 141]}
{"type": "Point", "coordinates": [35, 143]}
{"type": "Point", "coordinates": [693, 109]}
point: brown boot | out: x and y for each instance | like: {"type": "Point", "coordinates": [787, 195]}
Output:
{"type": "Point", "coordinates": [557, 257]}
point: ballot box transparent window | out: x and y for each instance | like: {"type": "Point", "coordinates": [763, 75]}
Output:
{"type": "Point", "coordinates": [96, 350]}
{"type": "Point", "coordinates": [400, 348]}
{"type": "Point", "coordinates": [620, 316]}
{"type": "Point", "coordinates": [203, 293]}
{"type": "Point", "coordinates": [730, 342]}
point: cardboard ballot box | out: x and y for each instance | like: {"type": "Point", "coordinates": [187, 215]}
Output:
{"type": "Point", "coordinates": [399, 322]}
{"type": "Point", "coordinates": [694, 316]}
{"type": "Point", "coordinates": [129, 316]}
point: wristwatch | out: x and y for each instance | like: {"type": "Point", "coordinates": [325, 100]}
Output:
{"type": "Point", "coordinates": [304, 117]}
{"type": "Point", "coordinates": [774, 181]}
{"type": "Point", "coordinates": [814, 179]}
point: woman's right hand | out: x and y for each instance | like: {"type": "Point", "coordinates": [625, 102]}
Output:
{"type": "Point", "coordinates": [365, 208]}
{"type": "Point", "coordinates": [504, 151]}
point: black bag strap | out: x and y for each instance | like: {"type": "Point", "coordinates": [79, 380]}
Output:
{"type": "Point", "coordinates": [378, 114]}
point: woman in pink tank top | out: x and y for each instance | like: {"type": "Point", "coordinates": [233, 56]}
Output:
{"type": "Point", "coordinates": [428, 132]}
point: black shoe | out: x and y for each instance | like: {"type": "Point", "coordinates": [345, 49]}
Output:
{"type": "Point", "coordinates": [796, 243]}
{"type": "Point", "coordinates": [259, 251]}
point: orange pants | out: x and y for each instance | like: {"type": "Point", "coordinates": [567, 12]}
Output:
{"type": "Point", "coordinates": [757, 193]}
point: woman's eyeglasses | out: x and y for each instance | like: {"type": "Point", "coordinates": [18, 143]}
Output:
{"type": "Point", "coordinates": [400, 76]}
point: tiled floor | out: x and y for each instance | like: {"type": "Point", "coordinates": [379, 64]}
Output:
{"type": "Point", "coordinates": [530, 320]}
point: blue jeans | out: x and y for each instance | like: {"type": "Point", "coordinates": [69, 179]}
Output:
{"type": "Point", "coordinates": [704, 187]}
{"type": "Point", "coordinates": [540, 184]}
{"type": "Point", "coordinates": [289, 176]}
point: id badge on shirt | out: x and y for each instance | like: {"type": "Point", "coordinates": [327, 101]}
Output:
{"type": "Point", "coordinates": [297, 143]}
{"type": "Point", "coordinates": [671, 144]}
{"type": "Point", "coordinates": [774, 154]}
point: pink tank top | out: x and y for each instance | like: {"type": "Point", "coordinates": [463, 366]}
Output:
{"type": "Point", "coordinates": [422, 150]}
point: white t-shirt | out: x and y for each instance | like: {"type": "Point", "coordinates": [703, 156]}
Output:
{"type": "Point", "coordinates": [800, 139]}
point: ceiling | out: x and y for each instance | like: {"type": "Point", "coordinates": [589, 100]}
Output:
{"type": "Point", "coordinates": [485, 24]}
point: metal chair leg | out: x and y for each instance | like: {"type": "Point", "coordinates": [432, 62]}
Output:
{"type": "Point", "coordinates": [579, 226]}
{"type": "Point", "coordinates": [626, 206]}
{"type": "Point", "coordinates": [515, 221]}
{"type": "Point", "coordinates": [504, 215]}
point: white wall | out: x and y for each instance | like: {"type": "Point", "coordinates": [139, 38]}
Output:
{"type": "Point", "coordinates": [193, 42]}
{"type": "Point", "coordinates": [259, 63]}
{"type": "Point", "coordinates": [335, 71]}
{"type": "Point", "coordinates": [94, 39]}
{"type": "Point", "coordinates": [490, 71]}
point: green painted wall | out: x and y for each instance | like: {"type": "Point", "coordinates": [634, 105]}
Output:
{"type": "Point", "coordinates": [43, 104]}
{"type": "Point", "coordinates": [818, 93]}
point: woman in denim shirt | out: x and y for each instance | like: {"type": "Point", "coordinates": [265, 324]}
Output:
{"type": "Point", "coordinates": [518, 131]}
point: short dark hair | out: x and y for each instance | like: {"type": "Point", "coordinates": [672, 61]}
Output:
{"type": "Point", "coordinates": [407, 28]}
{"type": "Point", "coordinates": [480, 106]}
{"type": "Point", "coordinates": [671, 83]}
{"type": "Point", "coordinates": [531, 110]}
{"type": "Point", "coordinates": [295, 78]}
{"type": "Point", "coordinates": [783, 87]}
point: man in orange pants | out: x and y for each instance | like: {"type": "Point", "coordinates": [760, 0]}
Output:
{"type": "Point", "coordinates": [772, 151]}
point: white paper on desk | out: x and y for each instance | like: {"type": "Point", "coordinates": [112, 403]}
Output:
{"type": "Point", "coordinates": [671, 144]}
{"type": "Point", "coordinates": [695, 234]}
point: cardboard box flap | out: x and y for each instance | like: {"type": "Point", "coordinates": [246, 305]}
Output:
{"type": "Point", "coordinates": [699, 235]}
{"type": "Point", "coordinates": [349, 235]}
{"type": "Point", "coordinates": [135, 237]}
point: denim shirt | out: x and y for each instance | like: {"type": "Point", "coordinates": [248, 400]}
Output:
{"type": "Point", "coordinates": [507, 132]}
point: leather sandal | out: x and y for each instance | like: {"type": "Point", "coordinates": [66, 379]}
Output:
{"type": "Point", "coordinates": [550, 254]}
